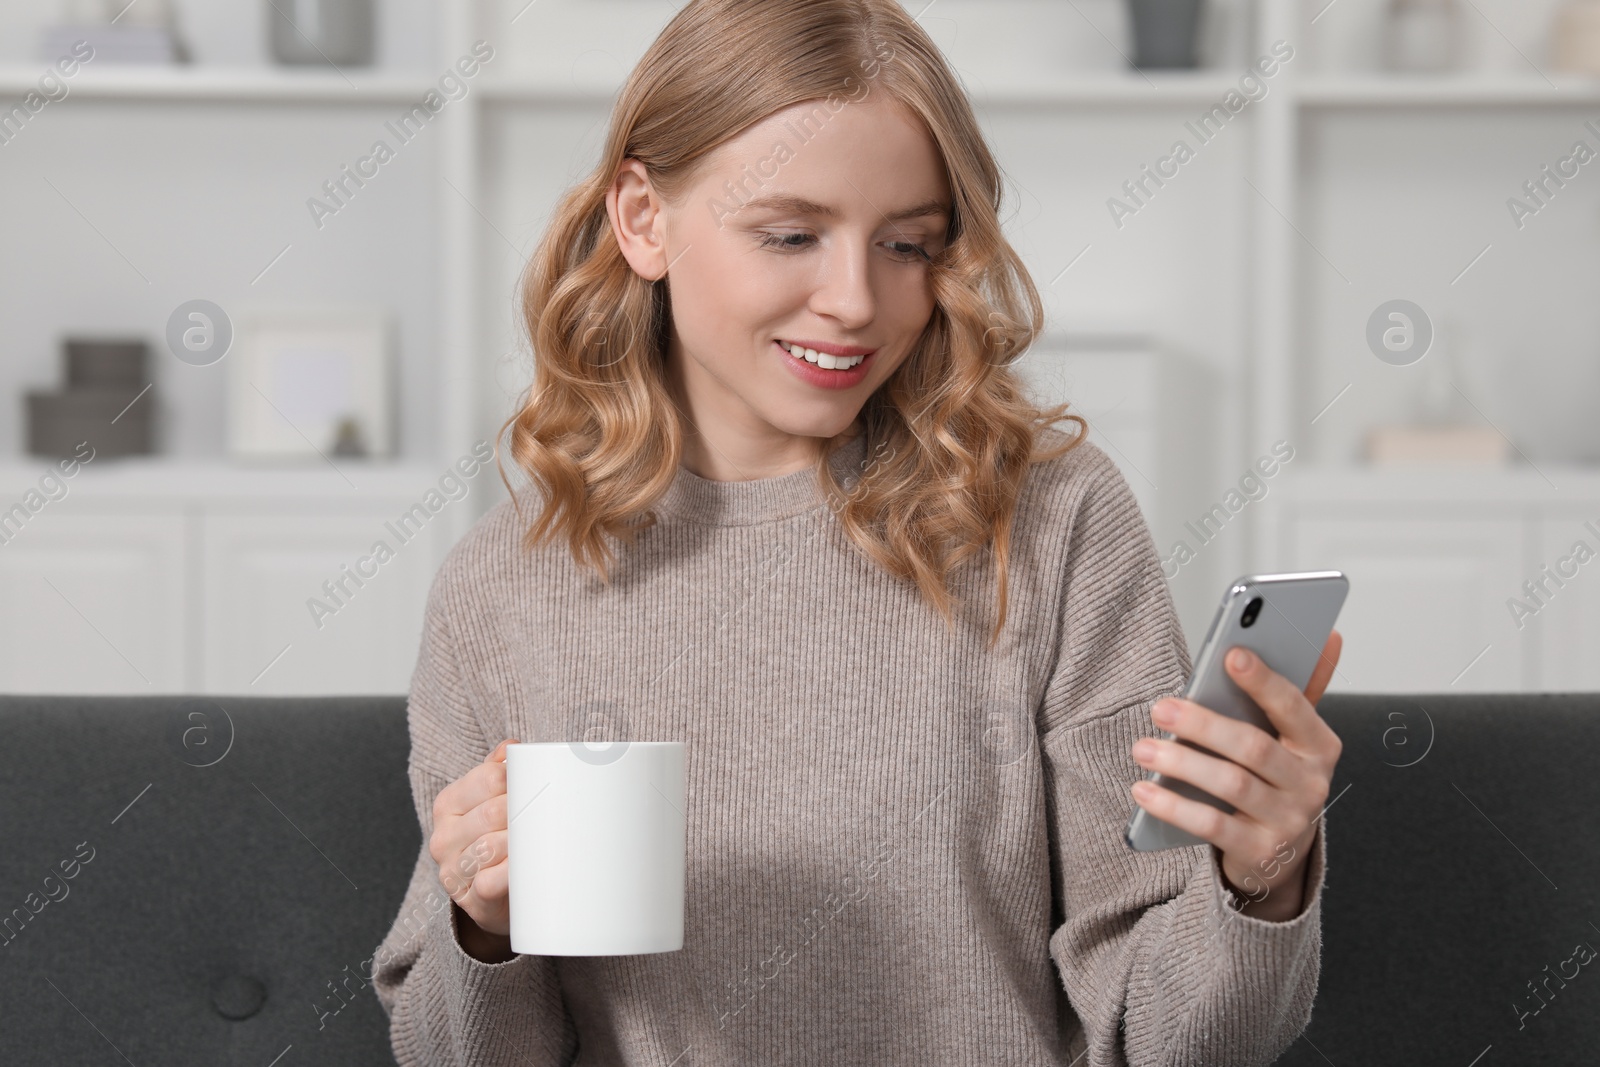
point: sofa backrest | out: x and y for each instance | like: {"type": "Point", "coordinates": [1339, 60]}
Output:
{"type": "Point", "coordinates": [204, 880]}
{"type": "Point", "coordinates": [1463, 874]}
{"type": "Point", "coordinates": [233, 864]}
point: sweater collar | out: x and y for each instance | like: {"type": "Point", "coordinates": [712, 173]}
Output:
{"type": "Point", "coordinates": [716, 503]}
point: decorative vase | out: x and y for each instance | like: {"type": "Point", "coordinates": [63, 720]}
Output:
{"type": "Point", "coordinates": [339, 32]}
{"type": "Point", "coordinates": [1165, 33]}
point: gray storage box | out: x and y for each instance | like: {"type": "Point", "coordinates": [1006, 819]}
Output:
{"type": "Point", "coordinates": [59, 422]}
{"type": "Point", "coordinates": [106, 364]}
{"type": "Point", "coordinates": [105, 378]}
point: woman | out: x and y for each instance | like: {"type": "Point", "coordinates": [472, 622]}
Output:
{"type": "Point", "coordinates": [793, 509]}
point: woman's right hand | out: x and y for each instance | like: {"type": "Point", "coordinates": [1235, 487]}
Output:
{"type": "Point", "coordinates": [469, 845]}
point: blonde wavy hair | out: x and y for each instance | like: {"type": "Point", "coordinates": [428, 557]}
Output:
{"type": "Point", "coordinates": [597, 430]}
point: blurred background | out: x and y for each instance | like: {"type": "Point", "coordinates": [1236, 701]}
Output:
{"type": "Point", "coordinates": [1320, 274]}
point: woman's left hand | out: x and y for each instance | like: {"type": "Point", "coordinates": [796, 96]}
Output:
{"type": "Point", "coordinates": [1278, 786]}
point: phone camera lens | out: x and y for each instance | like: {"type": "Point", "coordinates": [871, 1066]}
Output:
{"type": "Point", "coordinates": [1251, 610]}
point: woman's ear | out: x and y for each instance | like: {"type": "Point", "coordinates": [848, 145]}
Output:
{"type": "Point", "coordinates": [637, 221]}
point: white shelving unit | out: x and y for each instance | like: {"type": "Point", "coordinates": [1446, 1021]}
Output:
{"type": "Point", "coordinates": [1455, 91]}
{"type": "Point", "coordinates": [1228, 270]}
{"type": "Point", "coordinates": [1347, 193]}
{"type": "Point", "coordinates": [223, 85]}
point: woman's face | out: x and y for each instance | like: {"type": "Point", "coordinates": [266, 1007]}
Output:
{"type": "Point", "coordinates": [812, 229]}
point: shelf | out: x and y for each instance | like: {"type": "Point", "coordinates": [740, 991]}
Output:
{"type": "Point", "coordinates": [217, 83]}
{"type": "Point", "coordinates": [1149, 89]}
{"type": "Point", "coordinates": [1445, 91]}
{"type": "Point", "coordinates": [1439, 483]}
{"type": "Point", "coordinates": [1117, 89]}
{"type": "Point", "coordinates": [530, 89]}
{"type": "Point", "coordinates": [147, 478]}
{"type": "Point", "coordinates": [1154, 89]}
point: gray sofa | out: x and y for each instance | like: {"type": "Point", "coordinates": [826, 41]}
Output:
{"type": "Point", "coordinates": [203, 880]}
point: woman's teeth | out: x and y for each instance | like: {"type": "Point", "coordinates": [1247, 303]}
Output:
{"type": "Point", "coordinates": [821, 359]}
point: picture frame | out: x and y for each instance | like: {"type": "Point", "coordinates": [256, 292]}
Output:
{"type": "Point", "coordinates": [311, 383]}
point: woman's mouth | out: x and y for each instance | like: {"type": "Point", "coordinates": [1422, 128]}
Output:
{"type": "Point", "coordinates": [823, 369]}
{"type": "Point", "coordinates": [821, 359]}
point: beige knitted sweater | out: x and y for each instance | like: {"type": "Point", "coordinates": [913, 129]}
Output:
{"type": "Point", "coordinates": [903, 848]}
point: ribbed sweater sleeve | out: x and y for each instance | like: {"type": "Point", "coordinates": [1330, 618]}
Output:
{"type": "Point", "coordinates": [1156, 965]}
{"type": "Point", "coordinates": [445, 1008]}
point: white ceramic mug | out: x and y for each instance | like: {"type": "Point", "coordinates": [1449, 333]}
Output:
{"type": "Point", "coordinates": [596, 847]}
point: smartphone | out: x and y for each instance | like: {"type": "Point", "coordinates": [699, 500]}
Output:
{"type": "Point", "coordinates": [1283, 618]}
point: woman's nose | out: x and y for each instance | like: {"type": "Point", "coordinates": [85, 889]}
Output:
{"type": "Point", "coordinates": [844, 290]}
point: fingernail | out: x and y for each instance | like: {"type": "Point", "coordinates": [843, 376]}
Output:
{"type": "Point", "coordinates": [1164, 713]}
{"type": "Point", "coordinates": [1239, 658]}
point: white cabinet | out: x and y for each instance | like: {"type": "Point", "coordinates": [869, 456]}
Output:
{"type": "Point", "coordinates": [94, 603]}
{"type": "Point", "coordinates": [1424, 612]}
{"type": "Point", "coordinates": [1438, 562]}
{"type": "Point", "coordinates": [1565, 600]}
{"type": "Point", "coordinates": [303, 603]}
{"type": "Point", "coordinates": [152, 577]}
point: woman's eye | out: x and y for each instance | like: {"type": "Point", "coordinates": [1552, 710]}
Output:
{"type": "Point", "coordinates": [794, 242]}
{"type": "Point", "coordinates": [780, 241]}
{"type": "Point", "coordinates": [912, 251]}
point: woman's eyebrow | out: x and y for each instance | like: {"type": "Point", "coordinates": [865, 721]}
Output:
{"type": "Point", "coordinates": [791, 204]}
